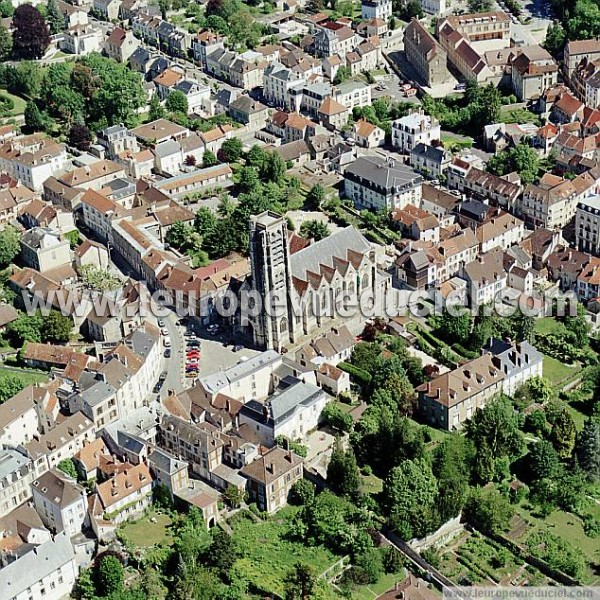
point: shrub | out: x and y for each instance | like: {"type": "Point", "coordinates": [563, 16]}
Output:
{"type": "Point", "coordinates": [360, 375]}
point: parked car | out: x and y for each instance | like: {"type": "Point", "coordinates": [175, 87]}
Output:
{"type": "Point", "coordinates": [164, 331]}
{"type": "Point", "coordinates": [238, 348]}
{"type": "Point", "coordinates": [161, 322]}
{"type": "Point", "coordinates": [166, 342]}
{"type": "Point", "coordinates": [168, 353]}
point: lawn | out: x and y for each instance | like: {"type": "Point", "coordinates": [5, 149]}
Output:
{"type": "Point", "coordinates": [144, 533]}
{"type": "Point", "coordinates": [268, 554]}
{"type": "Point", "coordinates": [555, 371]}
{"type": "Point", "coordinates": [509, 114]}
{"type": "Point", "coordinates": [20, 103]}
{"type": "Point", "coordinates": [374, 590]}
{"type": "Point", "coordinates": [28, 376]}
{"type": "Point", "coordinates": [370, 484]}
{"type": "Point", "coordinates": [548, 325]}
{"type": "Point", "coordinates": [452, 141]}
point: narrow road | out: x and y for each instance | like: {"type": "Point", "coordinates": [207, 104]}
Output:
{"type": "Point", "coordinates": [174, 365]}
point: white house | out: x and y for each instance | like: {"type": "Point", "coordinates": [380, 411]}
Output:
{"type": "Point", "coordinates": [416, 128]}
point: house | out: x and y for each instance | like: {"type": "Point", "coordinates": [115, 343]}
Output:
{"type": "Point", "coordinates": [416, 223]}
{"type": "Point", "coordinates": [43, 251]}
{"type": "Point", "coordinates": [60, 502]}
{"type": "Point", "coordinates": [107, 10]}
{"type": "Point", "coordinates": [16, 474]}
{"type": "Point", "coordinates": [333, 380]}
{"type": "Point", "coordinates": [416, 128]}
{"type": "Point", "coordinates": [121, 44]}
{"type": "Point", "coordinates": [333, 347]}
{"type": "Point", "coordinates": [587, 225]}
{"type": "Point", "coordinates": [486, 277]}
{"type": "Point", "coordinates": [32, 159]}
{"type": "Point", "coordinates": [329, 40]}
{"type": "Point", "coordinates": [117, 139]}
{"type": "Point", "coordinates": [91, 254]}
{"type": "Point", "coordinates": [271, 477]}
{"type": "Point", "coordinates": [533, 71]}
{"type": "Point", "coordinates": [249, 112]}
{"type": "Point", "coordinates": [578, 50]}
{"type": "Point", "coordinates": [88, 459]}
{"type": "Point", "coordinates": [429, 160]}
{"type": "Point", "coordinates": [168, 471]}
{"type": "Point", "coordinates": [425, 55]}
{"type": "Point", "coordinates": [567, 109]}
{"type": "Point", "coordinates": [8, 314]}
{"type": "Point", "coordinates": [367, 135]}
{"type": "Point", "coordinates": [352, 94]}
{"type": "Point", "coordinates": [159, 131]}
{"type": "Point", "coordinates": [501, 230]}
{"type": "Point", "coordinates": [126, 495]}
{"type": "Point", "coordinates": [292, 411]}
{"type": "Point", "coordinates": [45, 571]}
{"type": "Point", "coordinates": [376, 9]}
{"type": "Point", "coordinates": [333, 114]}
{"type": "Point", "coordinates": [412, 588]}
{"type": "Point", "coordinates": [81, 40]}
{"type": "Point", "coordinates": [375, 182]}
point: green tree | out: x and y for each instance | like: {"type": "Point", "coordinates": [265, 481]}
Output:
{"type": "Point", "coordinates": [315, 230]}
{"type": "Point", "coordinates": [579, 327]}
{"type": "Point", "coordinates": [300, 583]}
{"type": "Point", "coordinates": [540, 390]}
{"type": "Point", "coordinates": [556, 38]}
{"type": "Point", "coordinates": [342, 472]}
{"type": "Point", "coordinates": [407, 489]}
{"type": "Point", "coordinates": [222, 553]}
{"type": "Point", "coordinates": [476, 6]}
{"type": "Point", "coordinates": [456, 328]}
{"type": "Point", "coordinates": [209, 159]}
{"type": "Point", "coordinates": [231, 150]}
{"type": "Point", "coordinates": [177, 102]}
{"type": "Point", "coordinates": [523, 159]}
{"type": "Point", "coordinates": [488, 510]}
{"type": "Point", "coordinates": [31, 37]}
{"type": "Point", "coordinates": [6, 9]}
{"type": "Point", "coordinates": [191, 538]}
{"type": "Point", "coordinates": [28, 79]}
{"type": "Point", "coordinates": [111, 575]}
{"type": "Point", "coordinates": [563, 433]}
{"type": "Point", "coordinates": [9, 245]}
{"type": "Point", "coordinates": [54, 17]}
{"type": "Point", "coordinates": [343, 73]}
{"type": "Point", "coordinates": [370, 565]}
{"type": "Point", "coordinates": [156, 110]}
{"type": "Point", "coordinates": [85, 588]}
{"type": "Point", "coordinates": [80, 136]}
{"type": "Point", "coordinates": [335, 416]}
{"type": "Point", "coordinates": [34, 119]}
{"type": "Point", "coordinates": [234, 496]}
{"type": "Point", "coordinates": [273, 168]}
{"type": "Point", "coordinates": [56, 328]}
{"type": "Point", "coordinates": [10, 386]}
{"type": "Point", "coordinates": [302, 493]}
{"type": "Point", "coordinates": [5, 43]}
{"type": "Point", "coordinates": [25, 329]}
{"type": "Point", "coordinates": [249, 181]}
{"type": "Point", "coordinates": [315, 197]}
{"type": "Point", "coordinates": [543, 460]}
{"type": "Point", "coordinates": [68, 467]}
{"type": "Point", "coordinates": [588, 449]}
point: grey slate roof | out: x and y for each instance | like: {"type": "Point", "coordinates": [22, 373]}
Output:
{"type": "Point", "coordinates": [384, 174]}
{"type": "Point", "coordinates": [323, 251]}
{"type": "Point", "coordinates": [167, 148]}
{"type": "Point", "coordinates": [37, 564]}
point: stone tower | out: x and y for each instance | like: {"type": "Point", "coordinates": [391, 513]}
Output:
{"type": "Point", "coordinates": [271, 278]}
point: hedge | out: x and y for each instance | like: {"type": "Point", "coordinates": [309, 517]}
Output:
{"type": "Point", "coordinates": [460, 349]}
{"type": "Point", "coordinates": [360, 375]}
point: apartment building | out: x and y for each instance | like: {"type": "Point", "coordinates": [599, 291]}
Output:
{"type": "Point", "coordinates": [533, 72]}
{"type": "Point", "coordinates": [376, 9]}
{"type": "Point", "coordinates": [60, 502]}
{"type": "Point", "coordinates": [169, 471]}
{"type": "Point", "coordinates": [587, 225]}
{"type": "Point", "coordinates": [578, 50]}
{"type": "Point", "coordinates": [486, 277]}
{"type": "Point", "coordinates": [329, 41]}
{"type": "Point", "coordinates": [16, 474]}
{"type": "Point", "coordinates": [501, 231]}
{"type": "Point", "coordinates": [352, 94]}
{"type": "Point", "coordinates": [429, 161]}
{"type": "Point", "coordinates": [416, 128]}
{"type": "Point", "coordinates": [477, 27]}
{"type": "Point", "coordinates": [377, 183]}
{"type": "Point", "coordinates": [44, 251]}
{"type": "Point", "coordinates": [271, 477]}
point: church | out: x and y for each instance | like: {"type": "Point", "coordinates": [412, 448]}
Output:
{"type": "Point", "coordinates": [305, 279]}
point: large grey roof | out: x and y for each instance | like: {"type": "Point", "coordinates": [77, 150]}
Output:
{"type": "Point", "coordinates": [12, 461]}
{"type": "Point", "coordinates": [323, 252]}
{"type": "Point", "coordinates": [217, 381]}
{"type": "Point", "coordinates": [97, 393]}
{"type": "Point", "coordinates": [165, 461]}
{"type": "Point", "coordinates": [141, 342]}
{"type": "Point", "coordinates": [382, 173]}
{"type": "Point", "coordinates": [167, 148]}
{"type": "Point", "coordinates": [37, 564]}
{"type": "Point", "coordinates": [297, 393]}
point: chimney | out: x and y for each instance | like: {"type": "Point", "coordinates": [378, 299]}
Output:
{"type": "Point", "coordinates": [271, 468]}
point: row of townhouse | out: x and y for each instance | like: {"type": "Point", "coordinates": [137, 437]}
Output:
{"type": "Point", "coordinates": [161, 34]}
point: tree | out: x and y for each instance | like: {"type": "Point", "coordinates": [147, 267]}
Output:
{"type": "Point", "coordinates": [10, 386]}
{"type": "Point", "coordinates": [54, 18]}
{"type": "Point", "coordinates": [407, 490]}
{"type": "Point", "coordinates": [342, 472]}
{"type": "Point", "coordinates": [34, 119]}
{"type": "Point", "coordinates": [543, 460]}
{"type": "Point", "coordinates": [25, 329]}
{"type": "Point", "coordinates": [302, 493]}
{"type": "Point", "coordinates": [369, 564]}
{"type": "Point", "coordinates": [556, 38]}
{"type": "Point", "coordinates": [80, 136]}
{"type": "Point", "coordinates": [588, 449]}
{"type": "Point", "coordinates": [231, 150]}
{"type": "Point", "coordinates": [5, 43]}
{"type": "Point", "coordinates": [540, 390]}
{"type": "Point", "coordinates": [315, 197]}
{"type": "Point", "coordinates": [476, 6]}
{"type": "Point", "coordinates": [111, 575]}
{"type": "Point", "coordinates": [343, 73]}
{"type": "Point", "coordinates": [85, 588]}
{"type": "Point", "coordinates": [56, 328]}
{"type": "Point", "coordinates": [249, 181]}
{"type": "Point", "coordinates": [579, 327]}
{"type": "Point", "coordinates": [68, 467]}
{"type": "Point", "coordinates": [410, 10]}
{"type": "Point", "coordinates": [156, 110]}
{"type": "Point", "coordinates": [273, 168]}
{"type": "Point", "coordinates": [209, 159]}
{"type": "Point", "coordinates": [177, 102]}
{"type": "Point", "coordinates": [315, 230]}
{"type": "Point", "coordinates": [6, 9]}
{"type": "Point", "coordinates": [522, 159]}
{"type": "Point", "coordinates": [336, 417]}
{"type": "Point", "coordinates": [9, 245]}
{"type": "Point", "coordinates": [234, 496]}
{"type": "Point", "coordinates": [563, 433]}
{"type": "Point", "coordinates": [488, 510]}
{"type": "Point", "coordinates": [456, 328]}
{"type": "Point", "coordinates": [31, 37]}
{"type": "Point", "coordinates": [300, 583]}
{"type": "Point", "coordinates": [222, 553]}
